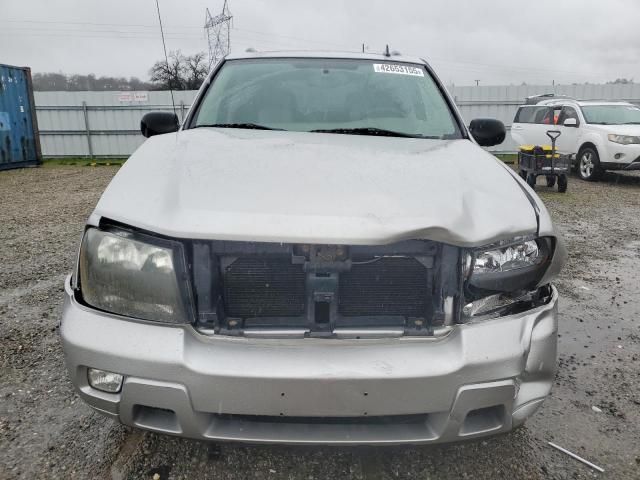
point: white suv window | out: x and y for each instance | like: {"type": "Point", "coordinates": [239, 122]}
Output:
{"type": "Point", "coordinates": [566, 113]}
{"type": "Point", "coordinates": [531, 114]}
{"type": "Point", "coordinates": [612, 114]}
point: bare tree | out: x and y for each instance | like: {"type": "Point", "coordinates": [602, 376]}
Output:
{"type": "Point", "coordinates": [181, 72]}
{"type": "Point", "coordinates": [196, 70]}
{"type": "Point", "coordinates": [74, 83]}
{"type": "Point", "coordinates": [621, 81]}
{"type": "Point", "coordinates": [169, 74]}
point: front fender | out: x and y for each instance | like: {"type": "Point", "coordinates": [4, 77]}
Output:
{"type": "Point", "coordinates": [593, 138]}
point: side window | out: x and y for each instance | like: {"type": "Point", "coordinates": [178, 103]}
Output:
{"type": "Point", "coordinates": [544, 115]}
{"type": "Point", "coordinates": [521, 114]}
{"type": "Point", "coordinates": [551, 116]}
{"type": "Point", "coordinates": [568, 112]}
{"type": "Point", "coordinates": [531, 114]}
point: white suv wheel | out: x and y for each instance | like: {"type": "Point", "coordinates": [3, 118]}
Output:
{"type": "Point", "coordinates": [589, 164]}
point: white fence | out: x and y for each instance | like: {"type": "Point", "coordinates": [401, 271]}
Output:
{"type": "Point", "coordinates": [107, 124]}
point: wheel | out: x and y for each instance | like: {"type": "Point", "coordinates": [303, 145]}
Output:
{"type": "Point", "coordinates": [589, 164]}
{"type": "Point", "coordinates": [531, 180]}
{"type": "Point", "coordinates": [563, 183]}
{"type": "Point", "coordinates": [551, 181]}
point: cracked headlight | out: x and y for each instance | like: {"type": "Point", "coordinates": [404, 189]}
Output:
{"type": "Point", "coordinates": [132, 275]}
{"type": "Point", "coordinates": [624, 139]}
{"type": "Point", "coordinates": [509, 266]}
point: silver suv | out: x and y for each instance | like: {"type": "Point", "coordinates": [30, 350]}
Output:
{"type": "Point", "coordinates": [321, 253]}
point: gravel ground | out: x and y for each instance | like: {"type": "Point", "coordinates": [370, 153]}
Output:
{"type": "Point", "coordinates": [47, 432]}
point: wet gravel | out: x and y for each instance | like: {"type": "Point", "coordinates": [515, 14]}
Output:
{"type": "Point", "coordinates": [47, 432]}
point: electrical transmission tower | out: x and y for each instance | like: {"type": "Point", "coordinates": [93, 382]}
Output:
{"type": "Point", "coordinates": [218, 30]}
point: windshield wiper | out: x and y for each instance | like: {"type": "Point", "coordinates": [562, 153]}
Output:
{"type": "Point", "coordinates": [249, 126]}
{"type": "Point", "coordinates": [369, 131]}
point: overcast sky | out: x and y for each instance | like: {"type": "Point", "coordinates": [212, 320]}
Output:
{"type": "Point", "coordinates": [494, 41]}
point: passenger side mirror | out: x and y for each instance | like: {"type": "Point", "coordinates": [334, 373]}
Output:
{"type": "Point", "coordinates": [157, 123]}
{"type": "Point", "coordinates": [487, 131]}
{"type": "Point", "coordinates": [570, 122]}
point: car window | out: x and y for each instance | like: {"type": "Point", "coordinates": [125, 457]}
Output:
{"type": "Point", "coordinates": [323, 94]}
{"type": "Point", "coordinates": [532, 114]}
{"type": "Point", "coordinates": [611, 114]}
{"type": "Point", "coordinates": [551, 116]}
{"type": "Point", "coordinates": [566, 113]}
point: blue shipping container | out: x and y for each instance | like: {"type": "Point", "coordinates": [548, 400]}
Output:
{"type": "Point", "coordinates": [19, 140]}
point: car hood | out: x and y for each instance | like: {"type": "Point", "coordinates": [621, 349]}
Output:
{"type": "Point", "coordinates": [619, 129]}
{"type": "Point", "coordinates": [271, 186]}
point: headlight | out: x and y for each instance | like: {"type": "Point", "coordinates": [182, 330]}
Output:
{"type": "Point", "coordinates": [509, 266]}
{"type": "Point", "coordinates": [134, 276]}
{"type": "Point", "coordinates": [512, 257]}
{"type": "Point", "coordinates": [624, 139]}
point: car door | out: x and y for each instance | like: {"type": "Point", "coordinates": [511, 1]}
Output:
{"type": "Point", "coordinates": [531, 124]}
{"type": "Point", "coordinates": [569, 139]}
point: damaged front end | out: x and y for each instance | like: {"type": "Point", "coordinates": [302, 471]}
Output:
{"type": "Point", "coordinates": [265, 289]}
{"type": "Point", "coordinates": [508, 277]}
{"type": "Point", "coordinates": [267, 342]}
{"type": "Point", "coordinates": [409, 288]}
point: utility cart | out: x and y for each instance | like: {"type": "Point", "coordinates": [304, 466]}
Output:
{"type": "Point", "coordinates": [534, 161]}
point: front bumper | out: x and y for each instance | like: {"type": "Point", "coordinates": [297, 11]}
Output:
{"type": "Point", "coordinates": [620, 157]}
{"type": "Point", "coordinates": [480, 379]}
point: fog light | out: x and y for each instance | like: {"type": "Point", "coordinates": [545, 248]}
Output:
{"type": "Point", "coordinates": [104, 381]}
{"type": "Point", "coordinates": [618, 156]}
{"type": "Point", "coordinates": [488, 305]}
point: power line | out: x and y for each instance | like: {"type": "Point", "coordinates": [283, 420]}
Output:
{"type": "Point", "coordinates": [255, 36]}
{"type": "Point", "coordinates": [167, 27]}
{"type": "Point", "coordinates": [31, 32]}
{"type": "Point", "coordinates": [127, 35]}
{"type": "Point", "coordinates": [59, 22]}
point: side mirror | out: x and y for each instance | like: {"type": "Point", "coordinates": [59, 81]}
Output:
{"type": "Point", "coordinates": [570, 122]}
{"type": "Point", "coordinates": [157, 123]}
{"type": "Point", "coordinates": [487, 131]}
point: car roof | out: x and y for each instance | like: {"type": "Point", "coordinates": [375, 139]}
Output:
{"type": "Point", "coordinates": [603, 102]}
{"type": "Point", "coordinates": [581, 103]}
{"type": "Point", "coordinates": [394, 57]}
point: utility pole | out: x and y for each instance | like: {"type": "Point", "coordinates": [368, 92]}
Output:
{"type": "Point", "coordinates": [218, 30]}
{"type": "Point", "coordinates": [477, 83]}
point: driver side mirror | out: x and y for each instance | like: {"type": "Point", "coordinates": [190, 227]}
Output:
{"type": "Point", "coordinates": [157, 123]}
{"type": "Point", "coordinates": [487, 131]}
{"type": "Point", "coordinates": [570, 122]}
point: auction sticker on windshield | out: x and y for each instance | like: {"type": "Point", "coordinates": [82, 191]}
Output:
{"type": "Point", "coordinates": [397, 69]}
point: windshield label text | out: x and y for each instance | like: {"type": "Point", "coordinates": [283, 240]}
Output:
{"type": "Point", "coordinates": [397, 69]}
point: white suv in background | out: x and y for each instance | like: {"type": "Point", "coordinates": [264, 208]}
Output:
{"type": "Point", "coordinates": [602, 135]}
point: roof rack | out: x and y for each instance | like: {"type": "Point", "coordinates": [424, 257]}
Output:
{"type": "Point", "coordinates": [535, 99]}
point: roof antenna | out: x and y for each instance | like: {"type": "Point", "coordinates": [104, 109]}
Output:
{"type": "Point", "coordinates": [386, 51]}
{"type": "Point", "coordinates": [166, 58]}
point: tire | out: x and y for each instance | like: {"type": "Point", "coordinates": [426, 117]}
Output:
{"type": "Point", "coordinates": [551, 181]}
{"type": "Point", "coordinates": [589, 164]}
{"type": "Point", "coordinates": [563, 183]}
{"type": "Point", "coordinates": [531, 180]}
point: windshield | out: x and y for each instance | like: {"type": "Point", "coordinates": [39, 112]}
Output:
{"type": "Point", "coordinates": [345, 96]}
{"type": "Point", "coordinates": [612, 114]}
